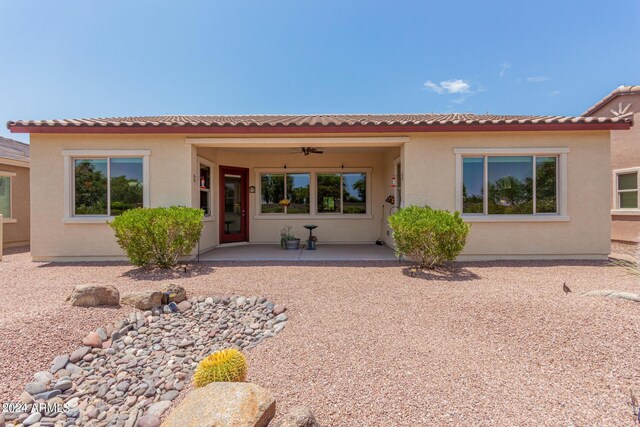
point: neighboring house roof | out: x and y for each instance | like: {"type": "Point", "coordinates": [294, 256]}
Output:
{"type": "Point", "coordinates": [14, 152]}
{"type": "Point", "coordinates": [619, 91]}
{"type": "Point", "coordinates": [316, 123]}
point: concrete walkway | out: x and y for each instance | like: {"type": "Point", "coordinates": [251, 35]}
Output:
{"type": "Point", "coordinates": [364, 252]}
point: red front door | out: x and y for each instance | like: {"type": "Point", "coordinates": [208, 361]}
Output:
{"type": "Point", "coordinates": [234, 204]}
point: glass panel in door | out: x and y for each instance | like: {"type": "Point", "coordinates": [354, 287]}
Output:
{"type": "Point", "coordinates": [232, 204]}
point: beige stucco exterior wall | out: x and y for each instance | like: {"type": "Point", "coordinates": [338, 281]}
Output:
{"type": "Point", "coordinates": [625, 153]}
{"type": "Point", "coordinates": [170, 184]}
{"type": "Point", "coordinates": [17, 233]}
{"type": "Point", "coordinates": [430, 179]}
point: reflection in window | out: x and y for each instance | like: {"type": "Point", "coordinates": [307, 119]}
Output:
{"type": "Point", "coordinates": [126, 184]}
{"type": "Point", "coordinates": [95, 194]}
{"type": "Point", "coordinates": [472, 185]}
{"type": "Point", "coordinates": [328, 192]}
{"type": "Point", "coordinates": [272, 189]}
{"type": "Point", "coordinates": [298, 193]}
{"type": "Point", "coordinates": [546, 185]}
{"type": "Point", "coordinates": [511, 188]}
{"type": "Point", "coordinates": [510, 185]}
{"type": "Point", "coordinates": [354, 193]}
{"type": "Point", "coordinates": [205, 189]}
{"type": "Point", "coordinates": [91, 186]}
{"type": "Point", "coordinates": [399, 184]}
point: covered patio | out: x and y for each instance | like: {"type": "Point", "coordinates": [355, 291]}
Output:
{"type": "Point", "coordinates": [324, 252]}
{"type": "Point", "coordinates": [252, 189]}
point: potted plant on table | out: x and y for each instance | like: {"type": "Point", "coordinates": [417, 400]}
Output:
{"type": "Point", "coordinates": [284, 203]}
{"type": "Point", "coordinates": [288, 240]}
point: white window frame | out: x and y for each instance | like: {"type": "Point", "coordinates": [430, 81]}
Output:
{"type": "Point", "coordinates": [561, 183]}
{"type": "Point", "coordinates": [69, 180]}
{"type": "Point", "coordinates": [313, 192]}
{"type": "Point", "coordinates": [284, 172]}
{"type": "Point", "coordinates": [10, 219]}
{"type": "Point", "coordinates": [204, 162]}
{"type": "Point", "coordinates": [617, 210]}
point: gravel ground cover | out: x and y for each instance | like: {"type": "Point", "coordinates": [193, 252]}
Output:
{"type": "Point", "coordinates": [141, 364]}
{"type": "Point", "coordinates": [367, 344]}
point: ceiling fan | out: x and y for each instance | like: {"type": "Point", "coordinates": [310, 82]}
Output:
{"type": "Point", "coordinates": [310, 150]}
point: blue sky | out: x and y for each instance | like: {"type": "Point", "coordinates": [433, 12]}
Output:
{"type": "Point", "coordinates": [69, 59]}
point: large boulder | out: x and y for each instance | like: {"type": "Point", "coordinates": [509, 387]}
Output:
{"type": "Point", "coordinates": [92, 295]}
{"type": "Point", "coordinates": [179, 291]}
{"type": "Point", "coordinates": [224, 404]}
{"type": "Point", "coordinates": [142, 300]}
{"type": "Point", "coordinates": [298, 416]}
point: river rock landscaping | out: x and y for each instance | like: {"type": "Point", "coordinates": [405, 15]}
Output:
{"type": "Point", "coordinates": [130, 372]}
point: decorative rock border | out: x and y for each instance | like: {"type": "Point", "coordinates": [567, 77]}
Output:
{"type": "Point", "coordinates": [132, 370]}
{"type": "Point", "coordinates": [613, 294]}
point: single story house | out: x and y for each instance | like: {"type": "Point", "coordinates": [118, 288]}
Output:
{"type": "Point", "coordinates": [533, 187]}
{"type": "Point", "coordinates": [623, 102]}
{"type": "Point", "coordinates": [14, 192]}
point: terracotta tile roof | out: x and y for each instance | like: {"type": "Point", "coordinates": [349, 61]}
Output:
{"type": "Point", "coordinates": [310, 120]}
{"type": "Point", "coordinates": [13, 150]}
{"type": "Point", "coordinates": [619, 91]}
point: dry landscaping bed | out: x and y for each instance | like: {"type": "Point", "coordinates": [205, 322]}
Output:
{"type": "Point", "coordinates": [133, 369]}
{"type": "Point", "coordinates": [367, 344]}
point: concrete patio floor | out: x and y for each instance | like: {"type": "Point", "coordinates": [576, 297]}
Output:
{"type": "Point", "coordinates": [248, 252]}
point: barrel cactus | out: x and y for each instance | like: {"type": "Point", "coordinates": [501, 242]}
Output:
{"type": "Point", "coordinates": [227, 365]}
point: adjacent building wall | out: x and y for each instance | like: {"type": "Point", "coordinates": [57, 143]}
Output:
{"type": "Point", "coordinates": [17, 233]}
{"type": "Point", "coordinates": [625, 153]}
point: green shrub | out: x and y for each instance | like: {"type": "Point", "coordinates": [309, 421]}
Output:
{"type": "Point", "coordinates": [158, 236]}
{"type": "Point", "coordinates": [428, 236]}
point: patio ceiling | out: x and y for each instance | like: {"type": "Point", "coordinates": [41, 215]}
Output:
{"type": "Point", "coordinates": [297, 150]}
{"type": "Point", "coordinates": [294, 142]}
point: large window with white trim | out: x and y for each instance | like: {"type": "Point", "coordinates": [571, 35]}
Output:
{"type": "Point", "coordinates": [511, 182]}
{"type": "Point", "coordinates": [313, 192]}
{"type": "Point", "coordinates": [509, 185]}
{"type": "Point", "coordinates": [107, 186]}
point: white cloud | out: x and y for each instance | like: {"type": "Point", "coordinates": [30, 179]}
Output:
{"type": "Point", "coordinates": [432, 86]}
{"type": "Point", "coordinates": [554, 93]}
{"type": "Point", "coordinates": [503, 68]}
{"type": "Point", "coordinates": [448, 86]}
{"type": "Point", "coordinates": [538, 79]}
